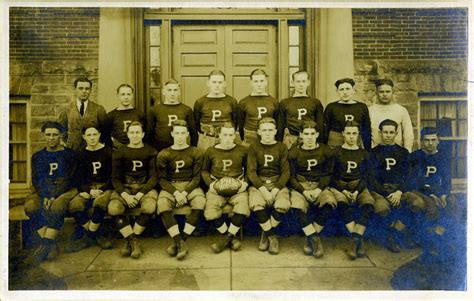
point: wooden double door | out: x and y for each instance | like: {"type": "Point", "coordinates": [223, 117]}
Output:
{"type": "Point", "coordinates": [235, 49]}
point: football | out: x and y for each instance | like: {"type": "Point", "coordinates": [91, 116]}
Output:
{"type": "Point", "coordinates": [227, 186]}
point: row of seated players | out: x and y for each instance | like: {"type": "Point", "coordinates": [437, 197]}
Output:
{"type": "Point", "coordinates": [417, 184]}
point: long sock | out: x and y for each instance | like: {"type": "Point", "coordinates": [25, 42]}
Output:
{"type": "Point", "coordinates": [191, 222]}
{"type": "Point", "coordinates": [171, 225]}
{"type": "Point", "coordinates": [323, 214]}
{"type": "Point", "coordinates": [366, 212]}
{"type": "Point", "coordinates": [98, 215]}
{"type": "Point", "coordinates": [306, 226]}
{"type": "Point", "coordinates": [264, 221]}
{"type": "Point", "coordinates": [276, 218]}
{"type": "Point", "coordinates": [123, 225]}
{"type": "Point", "coordinates": [220, 225]}
{"type": "Point", "coordinates": [80, 217]}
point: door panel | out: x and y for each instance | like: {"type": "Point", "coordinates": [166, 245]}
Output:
{"type": "Point", "coordinates": [235, 49]}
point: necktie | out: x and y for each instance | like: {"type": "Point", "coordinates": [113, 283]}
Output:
{"type": "Point", "coordinates": [81, 109]}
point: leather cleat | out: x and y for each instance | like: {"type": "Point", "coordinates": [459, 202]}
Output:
{"type": "Point", "coordinates": [223, 243]}
{"type": "Point", "coordinates": [126, 250]}
{"type": "Point", "coordinates": [136, 249]}
{"type": "Point", "coordinates": [104, 242]}
{"type": "Point", "coordinates": [235, 244]}
{"type": "Point", "coordinates": [172, 250]}
{"type": "Point", "coordinates": [38, 255]}
{"type": "Point", "coordinates": [353, 250]}
{"type": "Point", "coordinates": [80, 244]}
{"type": "Point", "coordinates": [182, 250]}
{"type": "Point", "coordinates": [274, 245]}
{"type": "Point", "coordinates": [308, 246]}
{"type": "Point", "coordinates": [264, 242]}
{"type": "Point", "coordinates": [318, 250]}
{"type": "Point", "coordinates": [54, 253]}
{"type": "Point", "coordinates": [392, 244]}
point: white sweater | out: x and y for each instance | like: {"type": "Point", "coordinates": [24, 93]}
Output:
{"type": "Point", "coordinates": [397, 113]}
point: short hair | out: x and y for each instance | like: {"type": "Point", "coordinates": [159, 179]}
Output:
{"type": "Point", "coordinates": [216, 72]}
{"type": "Point", "coordinates": [52, 125]}
{"type": "Point", "coordinates": [381, 82]}
{"type": "Point", "coordinates": [299, 72]}
{"type": "Point", "coordinates": [388, 122]}
{"type": "Point", "coordinates": [266, 120]}
{"type": "Point", "coordinates": [171, 81]}
{"type": "Point", "coordinates": [135, 123]}
{"type": "Point", "coordinates": [309, 124]}
{"type": "Point", "coordinates": [344, 80]}
{"type": "Point", "coordinates": [82, 79]}
{"type": "Point", "coordinates": [351, 123]}
{"type": "Point", "coordinates": [85, 128]}
{"type": "Point", "coordinates": [179, 122]}
{"type": "Point", "coordinates": [258, 72]}
{"type": "Point", "coordinates": [124, 85]}
{"type": "Point", "coordinates": [226, 125]}
{"type": "Point", "coordinates": [429, 130]}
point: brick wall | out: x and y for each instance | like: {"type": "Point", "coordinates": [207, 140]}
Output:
{"type": "Point", "coordinates": [53, 33]}
{"type": "Point", "coordinates": [410, 33]}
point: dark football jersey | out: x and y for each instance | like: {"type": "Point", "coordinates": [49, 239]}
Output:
{"type": "Point", "coordinates": [134, 166]}
{"type": "Point", "coordinates": [431, 173]}
{"type": "Point", "coordinates": [96, 167]}
{"type": "Point", "coordinates": [215, 111]}
{"type": "Point", "coordinates": [351, 165]}
{"type": "Point", "coordinates": [254, 108]}
{"type": "Point", "coordinates": [179, 165]}
{"type": "Point", "coordinates": [223, 163]}
{"type": "Point", "coordinates": [119, 120]}
{"type": "Point", "coordinates": [268, 161]}
{"type": "Point", "coordinates": [54, 173]}
{"type": "Point", "coordinates": [296, 110]}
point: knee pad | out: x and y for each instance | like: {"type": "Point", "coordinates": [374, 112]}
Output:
{"type": "Point", "coordinates": [148, 206]}
{"type": "Point", "coordinates": [116, 207]}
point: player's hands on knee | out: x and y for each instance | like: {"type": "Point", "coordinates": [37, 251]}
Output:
{"type": "Point", "coordinates": [274, 192]}
{"type": "Point", "coordinates": [308, 195]}
{"type": "Point", "coordinates": [47, 203]}
{"type": "Point", "coordinates": [267, 196]}
{"type": "Point", "coordinates": [139, 196]}
{"type": "Point", "coordinates": [440, 201]}
{"type": "Point", "coordinates": [315, 193]}
{"type": "Point", "coordinates": [85, 195]}
{"type": "Point", "coordinates": [95, 192]}
{"type": "Point", "coordinates": [348, 195]}
{"type": "Point", "coordinates": [180, 198]}
{"type": "Point", "coordinates": [131, 201]}
{"type": "Point", "coordinates": [394, 198]}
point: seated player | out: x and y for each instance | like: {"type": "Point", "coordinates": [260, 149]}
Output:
{"type": "Point", "coordinates": [431, 175]}
{"type": "Point", "coordinates": [179, 169]}
{"type": "Point", "coordinates": [222, 161]}
{"type": "Point", "coordinates": [120, 118]}
{"type": "Point", "coordinates": [389, 184]}
{"type": "Point", "coordinates": [54, 181]}
{"type": "Point", "coordinates": [311, 166]}
{"type": "Point", "coordinates": [268, 171]}
{"type": "Point", "coordinates": [350, 188]}
{"type": "Point", "coordinates": [133, 178]}
{"type": "Point", "coordinates": [255, 106]}
{"type": "Point", "coordinates": [95, 164]}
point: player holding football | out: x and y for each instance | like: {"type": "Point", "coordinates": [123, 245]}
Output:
{"type": "Point", "coordinates": [298, 109]}
{"type": "Point", "coordinates": [213, 109]}
{"type": "Point", "coordinates": [161, 116]}
{"type": "Point", "coordinates": [349, 187]}
{"type": "Point", "coordinates": [54, 181]}
{"type": "Point", "coordinates": [222, 161]}
{"type": "Point", "coordinates": [95, 164]}
{"type": "Point", "coordinates": [346, 109]}
{"type": "Point", "coordinates": [254, 107]}
{"type": "Point", "coordinates": [311, 167]}
{"type": "Point", "coordinates": [134, 179]}
{"type": "Point", "coordinates": [179, 169]}
{"type": "Point", "coordinates": [389, 185]}
{"type": "Point", "coordinates": [118, 120]}
{"type": "Point", "coordinates": [268, 171]}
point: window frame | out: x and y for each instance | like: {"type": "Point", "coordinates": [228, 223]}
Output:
{"type": "Point", "coordinates": [22, 100]}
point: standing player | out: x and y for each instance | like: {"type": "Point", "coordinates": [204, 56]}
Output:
{"type": "Point", "coordinates": [54, 177]}
{"type": "Point", "coordinates": [268, 171]}
{"type": "Point", "coordinates": [133, 178]}
{"type": "Point", "coordinates": [95, 163]}
{"type": "Point", "coordinates": [163, 114]}
{"type": "Point", "coordinates": [311, 167]}
{"type": "Point", "coordinates": [349, 187]}
{"type": "Point", "coordinates": [432, 182]}
{"type": "Point", "coordinates": [179, 168]}
{"type": "Point", "coordinates": [346, 109]}
{"type": "Point", "coordinates": [82, 112]}
{"type": "Point", "coordinates": [298, 109]}
{"type": "Point", "coordinates": [254, 107]}
{"type": "Point", "coordinates": [387, 109]}
{"type": "Point", "coordinates": [213, 109]}
{"type": "Point", "coordinates": [121, 117]}
{"type": "Point", "coordinates": [226, 159]}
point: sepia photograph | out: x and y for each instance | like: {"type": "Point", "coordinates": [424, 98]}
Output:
{"type": "Point", "coordinates": [252, 147]}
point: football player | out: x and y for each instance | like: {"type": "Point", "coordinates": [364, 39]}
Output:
{"type": "Point", "coordinates": [350, 188]}
{"type": "Point", "coordinates": [268, 171]}
{"type": "Point", "coordinates": [346, 109]}
{"type": "Point", "coordinates": [120, 118]}
{"type": "Point", "coordinates": [213, 109]}
{"type": "Point", "coordinates": [95, 164]}
{"type": "Point", "coordinates": [134, 179]}
{"type": "Point", "coordinates": [254, 107]}
{"type": "Point", "coordinates": [387, 109]}
{"type": "Point", "coordinates": [226, 159]}
{"type": "Point", "coordinates": [389, 185]}
{"type": "Point", "coordinates": [311, 167]}
{"type": "Point", "coordinates": [299, 108]}
{"type": "Point", "coordinates": [54, 181]}
{"type": "Point", "coordinates": [179, 169]}
{"type": "Point", "coordinates": [164, 113]}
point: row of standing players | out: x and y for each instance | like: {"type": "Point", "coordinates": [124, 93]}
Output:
{"type": "Point", "coordinates": [320, 176]}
